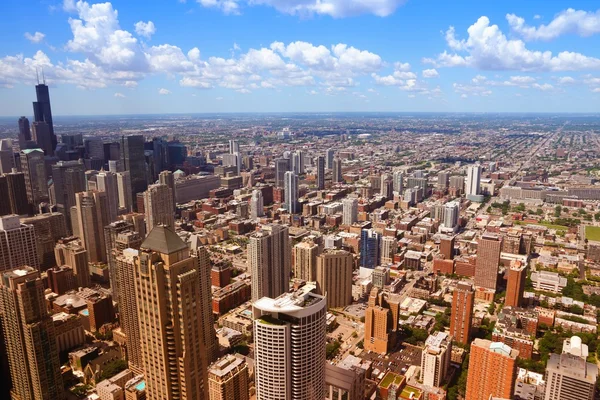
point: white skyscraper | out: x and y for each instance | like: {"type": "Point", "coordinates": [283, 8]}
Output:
{"type": "Point", "coordinates": [158, 206]}
{"type": "Point", "coordinates": [124, 187]}
{"type": "Point", "coordinates": [291, 192]}
{"type": "Point", "coordinates": [473, 182]}
{"type": "Point", "coordinates": [350, 214]}
{"type": "Point", "coordinates": [256, 205]}
{"type": "Point", "coordinates": [389, 247]}
{"type": "Point", "coordinates": [18, 246]}
{"type": "Point", "coordinates": [435, 359]}
{"type": "Point", "coordinates": [269, 261]}
{"type": "Point", "coordinates": [298, 162]}
{"type": "Point", "coordinates": [290, 345]}
{"type": "Point", "coordinates": [451, 214]}
{"type": "Point", "coordinates": [234, 147]}
{"type": "Point", "coordinates": [107, 182]}
{"type": "Point", "coordinates": [398, 182]}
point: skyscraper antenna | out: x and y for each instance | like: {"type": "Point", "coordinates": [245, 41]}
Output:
{"type": "Point", "coordinates": [37, 75]}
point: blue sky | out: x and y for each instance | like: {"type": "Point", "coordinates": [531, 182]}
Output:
{"type": "Point", "coordinates": [171, 56]}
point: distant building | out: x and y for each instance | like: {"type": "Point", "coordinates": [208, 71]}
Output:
{"type": "Point", "coordinates": [370, 245]}
{"type": "Point", "coordinates": [18, 247]}
{"type": "Point", "coordinates": [462, 312]}
{"type": "Point", "coordinates": [515, 286]}
{"type": "Point", "coordinates": [489, 248]}
{"type": "Point", "coordinates": [334, 277]}
{"type": "Point", "coordinates": [350, 211]}
{"type": "Point", "coordinates": [305, 260]}
{"type": "Point", "coordinates": [291, 192]}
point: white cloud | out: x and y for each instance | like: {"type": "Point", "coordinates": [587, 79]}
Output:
{"type": "Point", "coordinates": [227, 6]}
{"type": "Point", "coordinates": [565, 80]}
{"type": "Point", "coordinates": [37, 37]}
{"type": "Point", "coordinates": [537, 16]}
{"type": "Point", "coordinates": [474, 90]}
{"type": "Point", "coordinates": [219, 98]}
{"type": "Point", "coordinates": [464, 96]}
{"type": "Point", "coordinates": [164, 91]}
{"type": "Point", "coordinates": [103, 54]}
{"type": "Point", "coordinates": [597, 90]}
{"type": "Point", "coordinates": [333, 8]}
{"type": "Point", "coordinates": [570, 21]}
{"type": "Point", "coordinates": [145, 29]}
{"type": "Point", "coordinates": [430, 73]}
{"type": "Point", "coordinates": [487, 48]}
{"type": "Point", "coordinates": [117, 94]}
{"type": "Point", "coordinates": [543, 87]}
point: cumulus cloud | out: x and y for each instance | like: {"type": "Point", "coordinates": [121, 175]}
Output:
{"type": "Point", "coordinates": [570, 21]}
{"type": "Point", "coordinates": [406, 80]}
{"type": "Point", "coordinates": [121, 95]}
{"type": "Point", "coordinates": [37, 37]}
{"type": "Point", "coordinates": [333, 8]}
{"type": "Point", "coordinates": [145, 29]}
{"type": "Point", "coordinates": [164, 91]}
{"type": "Point", "coordinates": [102, 53]}
{"type": "Point", "coordinates": [565, 80]}
{"type": "Point", "coordinates": [487, 48]}
{"type": "Point", "coordinates": [430, 73]}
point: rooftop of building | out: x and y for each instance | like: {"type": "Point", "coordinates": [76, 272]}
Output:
{"type": "Point", "coordinates": [290, 302]}
{"type": "Point", "coordinates": [163, 240]}
{"type": "Point", "coordinates": [226, 365]}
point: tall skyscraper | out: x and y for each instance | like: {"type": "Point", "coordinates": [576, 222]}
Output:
{"type": "Point", "coordinates": [171, 335]}
{"type": "Point", "coordinates": [492, 370]}
{"type": "Point", "coordinates": [234, 147]}
{"type": "Point", "coordinates": [208, 324]}
{"type": "Point", "coordinates": [298, 162]}
{"type": "Point", "coordinates": [320, 172]}
{"type": "Point", "coordinates": [125, 264]}
{"type": "Point", "coordinates": [89, 216]}
{"type": "Point", "coordinates": [443, 180]}
{"type": "Point", "coordinates": [350, 211]}
{"type": "Point", "coordinates": [291, 192]}
{"type": "Point", "coordinates": [568, 375]}
{"type": "Point", "coordinates": [435, 359]}
{"type": "Point", "coordinates": [114, 247]}
{"type": "Point", "coordinates": [515, 286]}
{"type": "Point", "coordinates": [42, 111]}
{"type": "Point", "coordinates": [34, 168]}
{"type": "Point", "coordinates": [337, 171]}
{"type": "Point", "coordinates": [107, 182]}
{"type": "Point", "coordinates": [463, 300]}
{"type": "Point", "coordinates": [473, 183]}
{"type": "Point", "coordinates": [389, 247]}
{"type": "Point", "coordinates": [125, 194]}
{"type": "Point", "coordinates": [43, 137]}
{"type": "Point", "coordinates": [48, 229]}
{"type": "Point", "coordinates": [7, 157]}
{"type": "Point", "coordinates": [69, 179]}
{"type": "Point", "coordinates": [132, 154]}
{"type": "Point", "coordinates": [451, 214]}
{"type": "Point", "coordinates": [269, 256]}
{"type": "Point", "coordinates": [167, 178]}
{"type": "Point", "coordinates": [256, 204]}
{"type": "Point", "coordinates": [329, 155]}
{"type": "Point", "coordinates": [228, 379]}
{"type": "Point", "coordinates": [282, 165]}
{"type": "Point", "coordinates": [158, 206]}
{"type": "Point", "coordinates": [18, 246]}
{"type": "Point", "coordinates": [488, 261]}
{"type": "Point", "coordinates": [334, 277]}
{"type": "Point", "coordinates": [30, 337]}
{"type": "Point", "coordinates": [305, 260]}
{"type": "Point", "coordinates": [370, 245]}
{"type": "Point", "coordinates": [15, 195]}
{"type": "Point", "coordinates": [290, 345]}
{"type": "Point", "coordinates": [378, 324]}
{"type": "Point", "coordinates": [24, 133]}
{"type": "Point", "coordinates": [69, 251]}
{"type": "Point", "coordinates": [398, 178]}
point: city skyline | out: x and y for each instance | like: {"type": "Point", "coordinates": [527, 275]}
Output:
{"type": "Point", "coordinates": [327, 56]}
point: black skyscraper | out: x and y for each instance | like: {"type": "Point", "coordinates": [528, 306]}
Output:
{"type": "Point", "coordinates": [42, 110]}
{"type": "Point", "coordinates": [132, 154]}
{"type": "Point", "coordinates": [24, 132]}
